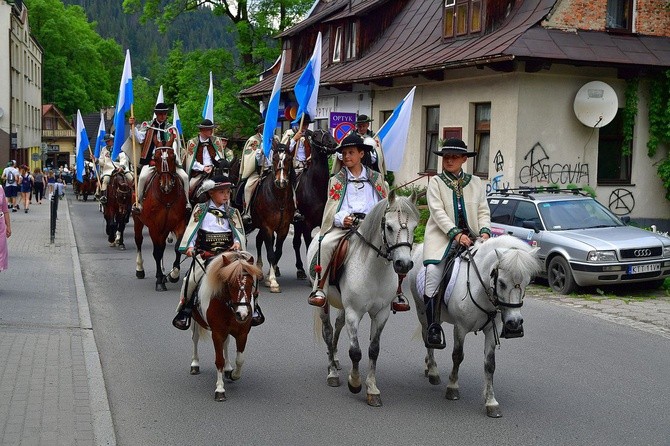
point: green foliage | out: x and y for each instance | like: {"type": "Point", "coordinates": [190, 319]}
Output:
{"type": "Point", "coordinates": [629, 114]}
{"type": "Point", "coordinates": [76, 62]}
{"type": "Point", "coordinates": [664, 174]}
{"type": "Point", "coordinates": [421, 203]}
{"type": "Point", "coordinates": [659, 124]}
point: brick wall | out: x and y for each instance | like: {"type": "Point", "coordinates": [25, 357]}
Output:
{"type": "Point", "coordinates": [652, 16]}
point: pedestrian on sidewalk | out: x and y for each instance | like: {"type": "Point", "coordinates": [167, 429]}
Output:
{"type": "Point", "coordinates": [51, 180]}
{"type": "Point", "coordinates": [40, 185]}
{"type": "Point", "coordinates": [26, 186]}
{"type": "Point", "coordinates": [11, 177]}
{"type": "Point", "coordinates": [5, 230]}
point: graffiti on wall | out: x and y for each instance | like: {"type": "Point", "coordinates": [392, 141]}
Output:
{"type": "Point", "coordinates": [498, 182]}
{"type": "Point", "coordinates": [539, 169]}
{"type": "Point", "coordinates": [621, 202]}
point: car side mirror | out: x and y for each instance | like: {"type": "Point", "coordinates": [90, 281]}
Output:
{"type": "Point", "coordinates": [532, 224]}
{"type": "Point", "coordinates": [625, 219]}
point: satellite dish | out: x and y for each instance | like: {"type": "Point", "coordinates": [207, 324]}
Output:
{"type": "Point", "coordinates": [596, 104]}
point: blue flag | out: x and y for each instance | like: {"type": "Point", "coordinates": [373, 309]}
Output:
{"type": "Point", "coordinates": [82, 145]}
{"type": "Point", "coordinates": [123, 103]}
{"type": "Point", "coordinates": [307, 88]}
{"type": "Point", "coordinates": [208, 109]}
{"type": "Point", "coordinates": [99, 140]}
{"type": "Point", "coordinates": [272, 110]}
{"type": "Point", "coordinates": [393, 133]}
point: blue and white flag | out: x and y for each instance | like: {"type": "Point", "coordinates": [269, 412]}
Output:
{"type": "Point", "coordinates": [82, 145]}
{"type": "Point", "coordinates": [159, 99]}
{"type": "Point", "coordinates": [123, 103]}
{"type": "Point", "coordinates": [272, 110]}
{"type": "Point", "coordinates": [177, 120]}
{"type": "Point", "coordinates": [99, 140]}
{"type": "Point", "coordinates": [307, 88]}
{"type": "Point", "coordinates": [208, 109]}
{"type": "Point", "coordinates": [393, 133]}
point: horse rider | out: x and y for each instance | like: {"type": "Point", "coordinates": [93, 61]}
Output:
{"type": "Point", "coordinates": [158, 133]}
{"type": "Point", "coordinates": [352, 193]}
{"type": "Point", "coordinates": [298, 145]}
{"type": "Point", "coordinates": [252, 164]}
{"type": "Point", "coordinates": [373, 159]}
{"type": "Point", "coordinates": [214, 227]}
{"type": "Point", "coordinates": [108, 167]}
{"type": "Point", "coordinates": [203, 154]}
{"type": "Point", "coordinates": [458, 214]}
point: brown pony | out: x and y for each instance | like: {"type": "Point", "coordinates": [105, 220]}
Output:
{"type": "Point", "coordinates": [117, 209]}
{"type": "Point", "coordinates": [87, 186]}
{"type": "Point", "coordinates": [226, 299]}
{"type": "Point", "coordinates": [271, 211]}
{"type": "Point", "coordinates": [163, 211]}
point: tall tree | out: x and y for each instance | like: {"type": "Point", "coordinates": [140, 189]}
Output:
{"type": "Point", "coordinates": [79, 67]}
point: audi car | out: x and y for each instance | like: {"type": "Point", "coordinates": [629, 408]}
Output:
{"type": "Point", "coordinates": [581, 243]}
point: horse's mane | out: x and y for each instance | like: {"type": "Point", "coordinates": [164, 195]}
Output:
{"type": "Point", "coordinates": [514, 254]}
{"type": "Point", "coordinates": [370, 229]}
{"type": "Point", "coordinates": [238, 265]}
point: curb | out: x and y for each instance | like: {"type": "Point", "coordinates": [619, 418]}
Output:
{"type": "Point", "coordinates": [103, 428]}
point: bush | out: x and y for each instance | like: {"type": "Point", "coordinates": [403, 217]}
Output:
{"type": "Point", "coordinates": [423, 209]}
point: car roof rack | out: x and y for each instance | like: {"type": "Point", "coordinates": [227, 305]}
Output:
{"type": "Point", "coordinates": [527, 191]}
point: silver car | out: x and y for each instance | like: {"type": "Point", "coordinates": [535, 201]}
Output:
{"type": "Point", "coordinates": [581, 242]}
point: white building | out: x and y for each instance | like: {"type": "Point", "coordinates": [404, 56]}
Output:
{"type": "Point", "coordinates": [21, 92]}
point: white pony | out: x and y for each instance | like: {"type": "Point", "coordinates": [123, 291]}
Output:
{"type": "Point", "coordinates": [491, 281]}
{"type": "Point", "coordinates": [378, 253]}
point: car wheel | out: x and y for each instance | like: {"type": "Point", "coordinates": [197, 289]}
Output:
{"type": "Point", "coordinates": [559, 276]}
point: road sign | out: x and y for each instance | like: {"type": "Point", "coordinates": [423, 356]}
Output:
{"type": "Point", "coordinates": [342, 130]}
{"type": "Point", "coordinates": [35, 156]}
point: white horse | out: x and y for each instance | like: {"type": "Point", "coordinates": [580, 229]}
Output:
{"type": "Point", "coordinates": [491, 281]}
{"type": "Point", "coordinates": [378, 253]}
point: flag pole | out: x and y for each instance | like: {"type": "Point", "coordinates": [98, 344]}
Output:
{"type": "Point", "coordinates": [97, 174]}
{"type": "Point", "coordinates": [132, 136]}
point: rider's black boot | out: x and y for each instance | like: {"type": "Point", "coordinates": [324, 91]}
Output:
{"type": "Point", "coordinates": [434, 334]}
{"type": "Point", "coordinates": [182, 320]}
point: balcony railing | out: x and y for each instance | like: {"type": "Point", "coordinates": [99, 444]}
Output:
{"type": "Point", "coordinates": [58, 133]}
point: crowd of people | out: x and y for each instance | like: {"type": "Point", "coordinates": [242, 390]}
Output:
{"type": "Point", "coordinates": [459, 213]}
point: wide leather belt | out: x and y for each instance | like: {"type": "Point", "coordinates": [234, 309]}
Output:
{"type": "Point", "coordinates": [214, 241]}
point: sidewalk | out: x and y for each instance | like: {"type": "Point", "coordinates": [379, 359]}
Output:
{"type": "Point", "coordinates": [51, 386]}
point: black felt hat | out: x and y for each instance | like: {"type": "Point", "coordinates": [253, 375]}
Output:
{"type": "Point", "coordinates": [206, 124]}
{"type": "Point", "coordinates": [454, 146]}
{"type": "Point", "coordinates": [161, 107]}
{"type": "Point", "coordinates": [362, 119]}
{"type": "Point", "coordinates": [353, 140]}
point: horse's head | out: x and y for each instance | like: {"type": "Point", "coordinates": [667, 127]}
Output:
{"type": "Point", "coordinates": [165, 160]}
{"type": "Point", "coordinates": [514, 264]}
{"type": "Point", "coordinates": [321, 142]}
{"type": "Point", "coordinates": [395, 219]}
{"type": "Point", "coordinates": [122, 192]}
{"type": "Point", "coordinates": [234, 281]}
{"type": "Point", "coordinates": [282, 162]}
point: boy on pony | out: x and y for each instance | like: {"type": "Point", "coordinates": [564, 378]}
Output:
{"type": "Point", "coordinates": [122, 164]}
{"type": "Point", "coordinates": [158, 133]}
{"type": "Point", "coordinates": [352, 193]}
{"type": "Point", "coordinates": [458, 214]}
{"type": "Point", "coordinates": [214, 227]}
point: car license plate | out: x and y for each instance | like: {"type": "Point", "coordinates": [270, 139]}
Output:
{"type": "Point", "coordinates": [639, 269]}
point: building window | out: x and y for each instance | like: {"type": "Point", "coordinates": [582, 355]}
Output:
{"type": "Point", "coordinates": [462, 17]}
{"type": "Point", "coordinates": [620, 15]}
{"type": "Point", "coordinates": [351, 41]}
{"type": "Point", "coordinates": [614, 166]}
{"type": "Point", "coordinates": [337, 45]}
{"type": "Point", "coordinates": [482, 138]}
{"type": "Point", "coordinates": [432, 138]}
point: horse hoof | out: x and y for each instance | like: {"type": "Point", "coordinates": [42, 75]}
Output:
{"type": "Point", "coordinates": [220, 396]}
{"type": "Point", "coordinates": [173, 280]}
{"type": "Point", "coordinates": [301, 274]}
{"type": "Point", "coordinates": [435, 380]}
{"type": "Point", "coordinates": [275, 289]}
{"type": "Point", "coordinates": [493, 411]}
{"type": "Point", "coordinates": [374, 400]}
{"type": "Point", "coordinates": [333, 381]}
{"type": "Point", "coordinates": [122, 247]}
{"type": "Point", "coordinates": [353, 389]}
{"type": "Point", "coordinates": [139, 274]}
{"type": "Point", "coordinates": [161, 287]}
{"type": "Point", "coordinates": [452, 394]}
{"type": "Point", "coordinates": [195, 370]}
{"type": "Point", "coordinates": [228, 374]}
{"type": "Point", "coordinates": [112, 244]}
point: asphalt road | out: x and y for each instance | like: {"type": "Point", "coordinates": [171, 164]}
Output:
{"type": "Point", "coordinates": [572, 380]}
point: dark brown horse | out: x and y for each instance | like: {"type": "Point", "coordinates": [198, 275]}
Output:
{"type": "Point", "coordinates": [87, 186]}
{"type": "Point", "coordinates": [271, 211]}
{"type": "Point", "coordinates": [163, 211]}
{"type": "Point", "coordinates": [311, 192]}
{"type": "Point", "coordinates": [226, 298]}
{"type": "Point", "coordinates": [117, 209]}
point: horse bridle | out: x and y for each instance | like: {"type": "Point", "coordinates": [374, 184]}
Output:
{"type": "Point", "coordinates": [241, 293]}
{"type": "Point", "coordinates": [491, 292]}
{"type": "Point", "coordinates": [388, 249]}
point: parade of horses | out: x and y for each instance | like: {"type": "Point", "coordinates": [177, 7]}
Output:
{"type": "Point", "coordinates": [205, 201]}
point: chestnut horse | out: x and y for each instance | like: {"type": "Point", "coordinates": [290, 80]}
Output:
{"type": "Point", "coordinates": [311, 192]}
{"type": "Point", "coordinates": [226, 300]}
{"type": "Point", "coordinates": [117, 209]}
{"type": "Point", "coordinates": [271, 211]}
{"type": "Point", "coordinates": [163, 211]}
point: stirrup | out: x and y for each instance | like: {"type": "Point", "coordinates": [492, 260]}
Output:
{"type": "Point", "coordinates": [435, 343]}
{"type": "Point", "coordinates": [400, 303]}
{"type": "Point", "coordinates": [102, 199]}
{"type": "Point", "coordinates": [182, 320]}
{"type": "Point", "coordinates": [246, 219]}
{"type": "Point", "coordinates": [257, 318]}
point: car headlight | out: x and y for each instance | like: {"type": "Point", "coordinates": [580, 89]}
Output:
{"type": "Point", "coordinates": [601, 256]}
{"type": "Point", "coordinates": [666, 251]}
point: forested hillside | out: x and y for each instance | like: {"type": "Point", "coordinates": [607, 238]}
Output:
{"type": "Point", "coordinates": [197, 30]}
